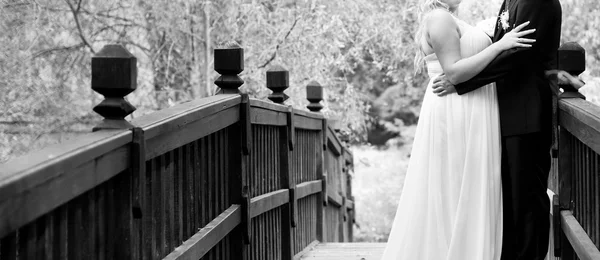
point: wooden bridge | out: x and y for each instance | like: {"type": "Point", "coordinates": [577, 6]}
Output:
{"type": "Point", "coordinates": [231, 177]}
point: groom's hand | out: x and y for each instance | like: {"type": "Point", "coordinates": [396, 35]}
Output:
{"type": "Point", "coordinates": [441, 86]}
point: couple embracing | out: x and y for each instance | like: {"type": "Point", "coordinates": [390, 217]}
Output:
{"type": "Point", "coordinates": [476, 183]}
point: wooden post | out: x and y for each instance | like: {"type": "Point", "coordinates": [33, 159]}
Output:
{"type": "Point", "coordinates": [314, 94]}
{"type": "Point", "coordinates": [322, 175]}
{"type": "Point", "coordinates": [138, 189]}
{"type": "Point", "coordinates": [571, 58]}
{"type": "Point", "coordinates": [114, 75]}
{"type": "Point", "coordinates": [293, 201]}
{"type": "Point", "coordinates": [229, 62]}
{"type": "Point", "coordinates": [351, 212]}
{"type": "Point", "coordinates": [343, 208]}
{"type": "Point", "coordinates": [246, 134]}
{"type": "Point", "coordinates": [278, 80]}
{"type": "Point", "coordinates": [287, 212]}
{"type": "Point", "coordinates": [324, 161]}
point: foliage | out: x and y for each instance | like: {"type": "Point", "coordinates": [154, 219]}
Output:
{"type": "Point", "coordinates": [377, 184]}
{"type": "Point", "coordinates": [355, 48]}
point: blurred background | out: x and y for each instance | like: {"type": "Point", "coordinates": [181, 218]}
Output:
{"type": "Point", "coordinates": [361, 50]}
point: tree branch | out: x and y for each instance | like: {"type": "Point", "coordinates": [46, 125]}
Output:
{"type": "Point", "coordinates": [79, 29]}
{"type": "Point", "coordinates": [280, 43]}
{"type": "Point", "coordinates": [56, 49]}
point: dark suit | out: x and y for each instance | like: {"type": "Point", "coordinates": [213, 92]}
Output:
{"type": "Point", "coordinates": [524, 100]}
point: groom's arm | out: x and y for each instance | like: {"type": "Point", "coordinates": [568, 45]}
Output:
{"type": "Point", "coordinates": [516, 58]}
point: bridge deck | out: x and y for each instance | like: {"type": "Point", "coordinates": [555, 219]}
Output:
{"type": "Point", "coordinates": [344, 251]}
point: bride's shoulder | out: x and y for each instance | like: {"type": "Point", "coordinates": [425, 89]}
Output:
{"type": "Point", "coordinates": [437, 18]}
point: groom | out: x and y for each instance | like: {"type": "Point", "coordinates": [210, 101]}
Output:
{"type": "Point", "coordinates": [524, 100]}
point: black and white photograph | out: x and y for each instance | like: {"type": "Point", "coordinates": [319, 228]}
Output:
{"type": "Point", "coordinates": [300, 129]}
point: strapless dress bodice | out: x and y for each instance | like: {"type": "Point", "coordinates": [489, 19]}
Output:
{"type": "Point", "coordinates": [472, 41]}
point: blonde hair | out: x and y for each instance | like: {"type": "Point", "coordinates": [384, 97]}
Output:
{"type": "Point", "coordinates": [426, 7]}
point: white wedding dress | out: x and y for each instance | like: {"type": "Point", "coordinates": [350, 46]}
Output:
{"type": "Point", "coordinates": [451, 203]}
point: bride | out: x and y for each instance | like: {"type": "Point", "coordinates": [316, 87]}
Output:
{"type": "Point", "coordinates": [451, 203]}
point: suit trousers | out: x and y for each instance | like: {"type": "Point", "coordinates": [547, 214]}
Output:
{"type": "Point", "coordinates": [526, 207]}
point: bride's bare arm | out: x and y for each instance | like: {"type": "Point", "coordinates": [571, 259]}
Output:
{"type": "Point", "coordinates": [443, 35]}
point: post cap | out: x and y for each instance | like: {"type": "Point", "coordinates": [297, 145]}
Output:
{"type": "Point", "coordinates": [114, 71]}
{"type": "Point", "coordinates": [571, 58]}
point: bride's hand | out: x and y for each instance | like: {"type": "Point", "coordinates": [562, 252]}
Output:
{"type": "Point", "coordinates": [515, 38]}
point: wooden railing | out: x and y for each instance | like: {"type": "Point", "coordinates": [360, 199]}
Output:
{"type": "Point", "coordinates": [575, 175]}
{"type": "Point", "coordinates": [223, 177]}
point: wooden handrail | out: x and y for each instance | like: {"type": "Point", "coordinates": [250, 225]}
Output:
{"type": "Point", "coordinates": [581, 242]}
{"type": "Point", "coordinates": [582, 119]}
{"type": "Point", "coordinates": [577, 128]}
{"type": "Point", "coordinates": [70, 169]}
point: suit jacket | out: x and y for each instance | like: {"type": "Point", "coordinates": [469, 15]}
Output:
{"type": "Point", "coordinates": [524, 94]}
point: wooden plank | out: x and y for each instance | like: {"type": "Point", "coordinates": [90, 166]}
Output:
{"type": "Point", "coordinates": [47, 246]}
{"type": "Point", "coordinates": [267, 105]}
{"type": "Point", "coordinates": [582, 119]}
{"type": "Point", "coordinates": [349, 156]}
{"type": "Point", "coordinates": [308, 114]}
{"type": "Point", "coordinates": [307, 249]}
{"type": "Point", "coordinates": [308, 123]}
{"type": "Point", "coordinates": [138, 183]}
{"type": "Point", "coordinates": [267, 202]}
{"type": "Point", "coordinates": [168, 141]}
{"type": "Point", "coordinates": [333, 143]}
{"type": "Point", "coordinates": [27, 240]}
{"type": "Point", "coordinates": [179, 116]}
{"type": "Point", "coordinates": [322, 176]}
{"type": "Point", "coordinates": [308, 188]}
{"type": "Point", "coordinates": [324, 160]}
{"type": "Point", "coordinates": [247, 145]}
{"type": "Point", "coordinates": [157, 210]}
{"type": "Point", "coordinates": [583, 110]}
{"type": "Point", "coordinates": [597, 199]}
{"type": "Point", "coordinates": [285, 181]}
{"type": "Point", "coordinates": [179, 196]}
{"type": "Point", "coordinates": [343, 213]}
{"type": "Point", "coordinates": [261, 116]}
{"type": "Point", "coordinates": [344, 251]}
{"type": "Point", "coordinates": [282, 108]}
{"type": "Point", "coordinates": [23, 206]}
{"type": "Point", "coordinates": [147, 213]}
{"type": "Point", "coordinates": [25, 172]}
{"type": "Point", "coordinates": [8, 246]}
{"type": "Point", "coordinates": [169, 225]}
{"type": "Point", "coordinates": [187, 191]}
{"type": "Point", "coordinates": [236, 184]}
{"type": "Point", "coordinates": [582, 244]}
{"type": "Point", "coordinates": [64, 172]}
{"type": "Point", "coordinates": [110, 223]}
{"type": "Point", "coordinates": [101, 214]}
{"type": "Point", "coordinates": [587, 135]}
{"type": "Point", "coordinates": [349, 204]}
{"type": "Point", "coordinates": [334, 198]}
{"type": "Point", "coordinates": [291, 131]}
{"type": "Point", "coordinates": [123, 217]}
{"type": "Point", "coordinates": [209, 236]}
{"type": "Point", "coordinates": [89, 225]}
